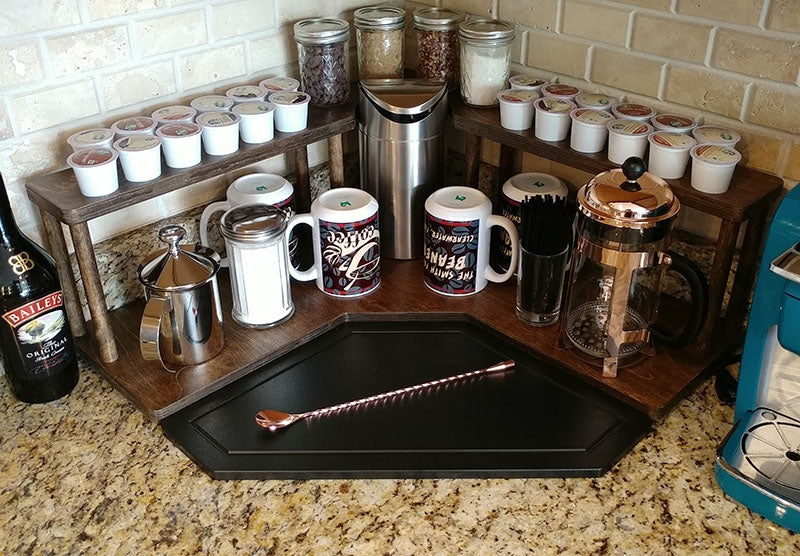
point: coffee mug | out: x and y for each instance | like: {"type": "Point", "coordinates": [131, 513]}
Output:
{"type": "Point", "coordinates": [457, 241]}
{"type": "Point", "coordinates": [262, 189]}
{"type": "Point", "coordinates": [346, 242]}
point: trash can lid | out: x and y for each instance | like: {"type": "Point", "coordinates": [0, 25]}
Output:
{"type": "Point", "coordinates": [404, 96]}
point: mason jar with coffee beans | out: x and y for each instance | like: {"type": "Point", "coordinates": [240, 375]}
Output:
{"type": "Point", "coordinates": [437, 44]}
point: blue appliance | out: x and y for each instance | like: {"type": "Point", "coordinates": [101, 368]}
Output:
{"type": "Point", "coordinates": [758, 462]}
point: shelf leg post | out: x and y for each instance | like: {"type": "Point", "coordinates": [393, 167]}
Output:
{"type": "Point", "coordinates": [58, 249]}
{"type": "Point", "coordinates": [336, 160]}
{"type": "Point", "coordinates": [87, 263]}
{"type": "Point", "coordinates": [473, 159]}
{"type": "Point", "coordinates": [303, 181]}
{"type": "Point", "coordinates": [717, 281]}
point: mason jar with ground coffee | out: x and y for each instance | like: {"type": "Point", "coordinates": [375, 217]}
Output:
{"type": "Point", "coordinates": [322, 53]}
{"type": "Point", "coordinates": [380, 32]}
{"type": "Point", "coordinates": [485, 54]}
{"type": "Point", "coordinates": [437, 44]}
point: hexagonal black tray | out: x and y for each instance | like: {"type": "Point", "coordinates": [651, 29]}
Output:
{"type": "Point", "coordinates": [535, 421]}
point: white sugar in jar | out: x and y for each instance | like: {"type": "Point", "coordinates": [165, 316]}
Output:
{"type": "Point", "coordinates": [485, 53]}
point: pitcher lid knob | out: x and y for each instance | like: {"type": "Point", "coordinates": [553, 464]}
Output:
{"type": "Point", "coordinates": [172, 236]}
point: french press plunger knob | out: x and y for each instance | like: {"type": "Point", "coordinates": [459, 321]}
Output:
{"type": "Point", "coordinates": [633, 168]}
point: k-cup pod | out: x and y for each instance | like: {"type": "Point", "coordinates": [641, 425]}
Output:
{"type": "Point", "coordinates": [552, 118]}
{"type": "Point", "coordinates": [516, 108]}
{"type": "Point", "coordinates": [278, 84]}
{"type": "Point", "coordinates": [245, 93]}
{"type": "Point", "coordinates": [560, 91]}
{"type": "Point", "coordinates": [672, 123]}
{"type": "Point", "coordinates": [595, 100]}
{"type": "Point", "coordinates": [212, 103]}
{"type": "Point", "coordinates": [220, 132]}
{"type": "Point", "coordinates": [669, 154]}
{"type": "Point", "coordinates": [712, 167]}
{"type": "Point", "coordinates": [174, 114]}
{"type": "Point", "coordinates": [140, 156]}
{"type": "Point", "coordinates": [98, 138]}
{"type": "Point", "coordinates": [180, 142]}
{"type": "Point", "coordinates": [96, 171]}
{"type": "Point", "coordinates": [133, 126]}
{"type": "Point", "coordinates": [714, 135]}
{"type": "Point", "coordinates": [633, 111]}
{"type": "Point", "coordinates": [527, 82]}
{"type": "Point", "coordinates": [291, 110]}
{"type": "Point", "coordinates": [627, 138]}
{"type": "Point", "coordinates": [589, 131]}
{"type": "Point", "coordinates": [257, 124]}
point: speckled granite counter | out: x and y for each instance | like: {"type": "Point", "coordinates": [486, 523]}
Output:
{"type": "Point", "coordinates": [90, 475]}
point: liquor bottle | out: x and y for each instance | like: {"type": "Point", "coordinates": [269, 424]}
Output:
{"type": "Point", "coordinates": [35, 338]}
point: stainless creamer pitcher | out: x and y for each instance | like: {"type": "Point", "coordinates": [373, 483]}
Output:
{"type": "Point", "coordinates": [182, 321]}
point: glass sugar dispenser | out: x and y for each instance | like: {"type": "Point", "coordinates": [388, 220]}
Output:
{"type": "Point", "coordinates": [323, 56]}
{"type": "Point", "coordinates": [380, 37]}
{"type": "Point", "coordinates": [485, 54]}
{"type": "Point", "coordinates": [437, 44]}
{"type": "Point", "coordinates": [258, 255]}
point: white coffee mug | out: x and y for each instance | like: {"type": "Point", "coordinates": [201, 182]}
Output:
{"type": "Point", "coordinates": [264, 189]}
{"type": "Point", "coordinates": [346, 242]}
{"type": "Point", "coordinates": [457, 241]}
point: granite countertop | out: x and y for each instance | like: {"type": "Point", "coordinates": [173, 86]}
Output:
{"type": "Point", "coordinates": [89, 474]}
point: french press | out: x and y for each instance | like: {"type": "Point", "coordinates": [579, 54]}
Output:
{"type": "Point", "coordinates": [624, 222]}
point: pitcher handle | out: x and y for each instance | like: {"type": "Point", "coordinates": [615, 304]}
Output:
{"type": "Point", "coordinates": [208, 212]}
{"type": "Point", "coordinates": [149, 330]}
{"type": "Point", "coordinates": [491, 274]}
{"type": "Point", "coordinates": [698, 288]}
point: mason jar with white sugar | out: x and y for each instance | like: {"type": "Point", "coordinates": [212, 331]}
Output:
{"type": "Point", "coordinates": [485, 54]}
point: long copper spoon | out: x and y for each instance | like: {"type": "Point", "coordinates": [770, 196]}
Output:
{"type": "Point", "coordinates": [276, 420]}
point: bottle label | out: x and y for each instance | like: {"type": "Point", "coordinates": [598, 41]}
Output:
{"type": "Point", "coordinates": [40, 328]}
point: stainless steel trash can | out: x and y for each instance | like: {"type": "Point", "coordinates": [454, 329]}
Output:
{"type": "Point", "coordinates": [402, 149]}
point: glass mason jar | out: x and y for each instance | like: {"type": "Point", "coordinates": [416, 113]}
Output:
{"type": "Point", "coordinates": [437, 44]}
{"type": "Point", "coordinates": [485, 53]}
{"type": "Point", "coordinates": [322, 53]}
{"type": "Point", "coordinates": [380, 32]}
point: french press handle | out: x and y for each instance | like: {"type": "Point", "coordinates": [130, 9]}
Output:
{"type": "Point", "coordinates": [698, 288]}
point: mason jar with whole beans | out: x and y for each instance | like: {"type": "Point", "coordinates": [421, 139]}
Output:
{"type": "Point", "coordinates": [437, 44]}
{"type": "Point", "coordinates": [322, 53]}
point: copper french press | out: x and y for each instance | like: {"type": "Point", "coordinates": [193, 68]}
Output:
{"type": "Point", "coordinates": [624, 221]}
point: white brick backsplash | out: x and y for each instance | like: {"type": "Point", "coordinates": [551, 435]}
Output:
{"type": "Point", "coordinates": [19, 63]}
{"type": "Point", "coordinates": [173, 32]}
{"type": "Point", "coordinates": [240, 18]}
{"type": "Point", "coordinates": [207, 67]}
{"type": "Point", "coordinates": [88, 50]}
{"type": "Point", "coordinates": [55, 105]}
{"type": "Point", "coordinates": [138, 85]}
{"type": "Point", "coordinates": [290, 11]}
{"type": "Point", "coordinates": [482, 8]}
{"type": "Point", "coordinates": [37, 15]}
{"type": "Point", "coordinates": [5, 129]}
{"type": "Point", "coordinates": [103, 9]}
{"type": "Point", "coordinates": [274, 51]}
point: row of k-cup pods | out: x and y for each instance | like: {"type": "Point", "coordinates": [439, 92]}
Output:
{"type": "Point", "coordinates": [220, 121]}
{"type": "Point", "coordinates": [629, 128]}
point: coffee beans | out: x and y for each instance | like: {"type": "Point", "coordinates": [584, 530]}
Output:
{"type": "Point", "coordinates": [438, 56]}
{"type": "Point", "coordinates": [324, 73]}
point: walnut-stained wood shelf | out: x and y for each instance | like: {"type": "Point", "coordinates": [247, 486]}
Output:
{"type": "Point", "coordinates": [747, 201]}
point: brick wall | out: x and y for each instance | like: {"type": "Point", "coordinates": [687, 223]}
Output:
{"type": "Point", "coordinates": [67, 65]}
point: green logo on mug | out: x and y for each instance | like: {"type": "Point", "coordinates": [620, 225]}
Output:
{"type": "Point", "coordinates": [460, 198]}
{"type": "Point", "coordinates": [261, 188]}
{"type": "Point", "coordinates": [345, 204]}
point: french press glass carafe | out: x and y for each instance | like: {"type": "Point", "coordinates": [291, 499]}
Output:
{"type": "Point", "coordinates": [623, 231]}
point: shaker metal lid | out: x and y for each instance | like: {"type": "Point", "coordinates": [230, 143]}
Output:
{"type": "Point", "coordinates": [486, 30]}
{"type": "Point", "coordinates": [628, 197]}
{"type": "Point", "coordinates": [403, 96]}
{"type": "Point", "coordinates": [178, 268]}
{"type": "Point", "coordinates": [253, 223]}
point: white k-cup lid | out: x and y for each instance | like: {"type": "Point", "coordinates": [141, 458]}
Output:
{"type": "Point", "coordinates": [89, 158]}
{"type": "Point", "coordinates": [672, 122]}
{"type": "Point", "coordinates": [591, 116]}
{"type": "Point", "coordinates": [554, 105]}
{"type": "Point", "coordinates": [517, 96]}
{"type": "Point", "coordinates": [595, 100]}
{"type": "Point", "coordinates": [243, 93]}
{"type": "Point", "coordinates": [560, 90]}
{"type": "Point", "coordinates": [631, 128]}
{"type": "Point", "coordinates": [134, 124]}
{"type": "Point", "coordinates": [178, 129]}
{"type": "Point", "coordinates": [285, 98]}
{"type": "Point", "coordinates": [176, 113]}
{"type": "Point", "coordinates": [527, 81]}
{"type": "Point", "coordinates": [671, 141]}
{"type": "Point", "coordinates": [212, 103]}
{"type": "Point", "coordinates": [135, 143]}
{"type": "Point", "coordinates": [715, 135]}
{"type": "Point", "coordinates": [217, 119]}
{"type": "Point", "coordinates": [633, 111]}
{"type": "Point", "coordinates": [716, 155]}
{"type": "Point", "coordinates": [253, 107]}
{"type": "Point", "coordinates": [272, 84]}
{"type": "Point", "coordinates": [90, 138]}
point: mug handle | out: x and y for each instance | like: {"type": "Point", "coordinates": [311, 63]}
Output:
{"type": "Point", "coordinates": [218, 206]}
{"type": "Point", "coordinates": [698, 289]}
{"type": "Point", "coordinates": [511, 229]}
{"type": "Point", "coordinates": [150, 330]}
{"type": "Point", "coordinates": [311, 272]}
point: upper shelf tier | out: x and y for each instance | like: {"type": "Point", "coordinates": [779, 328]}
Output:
{"type": "Point", "coordinates": [59, 195]}
{"type": "Point", "coordinates": [748, 190]}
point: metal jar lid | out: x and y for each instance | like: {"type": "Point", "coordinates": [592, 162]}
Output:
{"type": "Point", "coordinates": [437, 19]}
{"type": "Point", "coordinates": [486, 31]}
{"type": "Point", "coordinates": [628, 197]}
{"type": "Point", "coordinates": [253, 224]}
{"type": "Point", "coordinates": [321, 30]}
{"type": "Point", "coordinates": [177, 268]}
{"type": "Point", "coordinates": [379, 18]}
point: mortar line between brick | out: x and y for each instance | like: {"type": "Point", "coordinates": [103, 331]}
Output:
{"type": "Point", "coordinates": [629, 31]}
{"type": "Point", "coordinates": [560, 17]}
{"type": "Point", "coordinates": [746, 98]}
{"type": "Point", "coordinates": [762, 20]}
{"type": "Point", "coordinates": [712, 39]}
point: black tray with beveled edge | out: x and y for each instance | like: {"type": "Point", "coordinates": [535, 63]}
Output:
{"type": "Point", "coordinates": [534, 421]}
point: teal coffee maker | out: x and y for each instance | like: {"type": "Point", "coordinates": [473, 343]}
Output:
{"type": "Point", "coordinates": [758, 463]}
